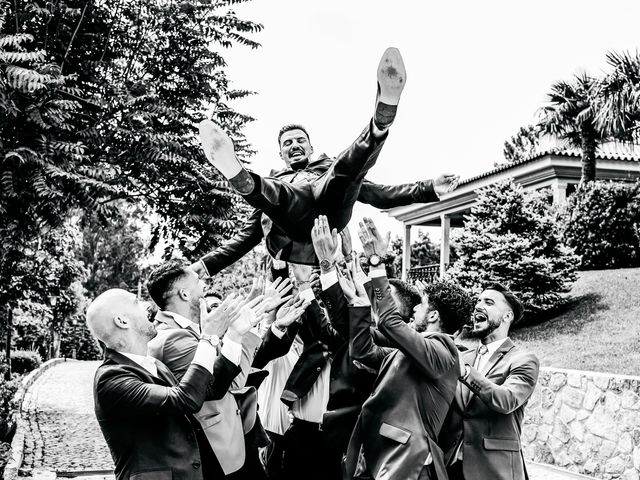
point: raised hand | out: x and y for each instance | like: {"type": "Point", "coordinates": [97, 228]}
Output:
{"type": "Point", "coordinates": [325, 242]}
{"type": "Point", "coordinates": [445, 183]}
{"type": "Point", "coordinates": [290, 312]}
{"type": "Point", "coordinates": [347, 244]}
{"type": "Point", "coordinates": [217, 321]}
{"type": "Point", "coordinates": [350, 289]}
{"type": "Point", "coordinates": [257, 288]}
{"type": "Point", "coordinates": [372, 242]}
{"type": "Point", "coordinates": [276, 293]}
{"type": "Point", "coordinates": [245, 317]}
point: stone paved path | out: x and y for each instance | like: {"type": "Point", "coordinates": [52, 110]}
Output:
{"type": "Point", "coordinates": [64, 436]}
{"type": "Point", "coordinates": [63, 433]}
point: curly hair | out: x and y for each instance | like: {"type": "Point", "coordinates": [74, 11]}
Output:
{"type": "Point", "coordinates": [163, 278]}
{"type": "Point", "coordinates": [453, 303]}
{"type": "Point", "coordinates": [292, 126]}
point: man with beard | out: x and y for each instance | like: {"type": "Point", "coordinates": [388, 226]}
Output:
{"type": "Point", "coordinates": [287, 202]}
{"type": "Point", "coordinates": [229, 414]}
{"type": "Point", "coordinates": [145, 415]}
{"type": "Point", "coordinates": [396, 432]}
{"type": "Point", "coordinates": [481, 435]}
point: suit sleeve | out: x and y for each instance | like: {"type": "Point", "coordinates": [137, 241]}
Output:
{"type": "Point", "coordinates": [177, 351]}
{"type": "Point", "coordinates": [122, 393]}
{"type": "Point", "coordinates": [237, 247]}
{"type": "Point", "coordinates": [390, 196]}
{"type": "Point", "coordinates": [516, 389]}
{"type": "Point", "coordinates": [316, 327]}
{"type": "Point", "coordinates": [433, 355]}
{"type": "Point", "coordinates": [273, 347]}
{"type": "Point", "coordinates": [337, 309]}
{"type": "Point", "coordinates": [250, 345]}
{"type": "Point", "coordinates": [361, 346]}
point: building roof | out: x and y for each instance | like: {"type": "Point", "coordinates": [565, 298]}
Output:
{"type": "Point", "coordinates": [606, 151]}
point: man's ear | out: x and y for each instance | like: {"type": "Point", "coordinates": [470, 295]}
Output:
{"type": "Point", "coordinates": [433, 316]}
{"type": "Point", "coordinates": [183, 294]}
{"type": "Point", "coordinates": [312, 149]}
{"type": "Point", "coordinates": [121, 321]}
{"type": "Point", "coordinates": [508, 317]}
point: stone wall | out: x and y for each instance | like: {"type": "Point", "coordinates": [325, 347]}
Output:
{"type": "Point", "coordinates": [586, 422]}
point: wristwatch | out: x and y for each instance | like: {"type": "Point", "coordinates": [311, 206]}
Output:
{"type": "Point", "coordinates": [374, 260]}
{"type": "Point", "coordinates": [213, 340]}
{"type": "Point", "coordinates": [325, 265]}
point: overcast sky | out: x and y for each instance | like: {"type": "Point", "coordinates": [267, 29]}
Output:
{"type": "Point", "coordinates": [476, 72]}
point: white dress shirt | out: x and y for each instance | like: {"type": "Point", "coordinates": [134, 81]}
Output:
{"type": "Point", "coordinates": [145, 361]}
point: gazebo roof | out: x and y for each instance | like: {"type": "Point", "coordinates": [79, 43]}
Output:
{"type": "Point", "coordinates": [549, 166]}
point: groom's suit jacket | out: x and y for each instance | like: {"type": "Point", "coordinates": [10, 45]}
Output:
{"type": "Point", "coordinates": [489, 423]}
{"type": "Point", "coordinates": [400, 422]}
{"type": "Point", "coordinates": [147, 421]}
{"type": "Point", "coordinates": [251, 232]}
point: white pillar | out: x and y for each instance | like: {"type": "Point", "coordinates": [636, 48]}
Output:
{"type": "Point", "coordinates": [559, 192]}
{"type": "Point", "coordinates": [406, 252]}
{"type": "Point", "coordinates": [445, 222]}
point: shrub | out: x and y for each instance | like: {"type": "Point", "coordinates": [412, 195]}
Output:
{"type": "Point", "coordinates": [76, 338]}
{"type": "Point", "coordinates": [8, 389]}
{"type": "Point", "coordinates": [24, 361]}
{"type": "Point", "coordinates": [514, 238]}
{"type": "Point", "coordinates": [602, 224]}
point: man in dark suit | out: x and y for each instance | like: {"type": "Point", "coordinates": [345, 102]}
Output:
{"type": "Point", "coordinates": [481, 435]}
{"type": "Point", "coordinates": [395, 436]}
{"type": "Point", "coordinates": [287, 202]}
{"type": "Point", "coordinates": [145, 415]}
{"type": "Point", "coordinates": [228, 418]}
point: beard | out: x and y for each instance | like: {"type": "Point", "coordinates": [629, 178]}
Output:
{"type": "Point", "coordinates": [490, 325]}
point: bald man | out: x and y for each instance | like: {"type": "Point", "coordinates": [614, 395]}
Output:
{"type": "Point", "coordinates": [145, 415]}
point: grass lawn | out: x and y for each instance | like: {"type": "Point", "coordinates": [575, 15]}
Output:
{"type": "Point", "coordinates": [598, 331]}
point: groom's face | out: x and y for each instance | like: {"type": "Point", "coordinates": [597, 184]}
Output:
{"type": "Point", "coordinates": [295, 148]}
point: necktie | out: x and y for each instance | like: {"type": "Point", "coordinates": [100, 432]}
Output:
{"type": "Point", "coordinates": [482, 350]}
{"type": "Point", "coordinates": [466, 392]}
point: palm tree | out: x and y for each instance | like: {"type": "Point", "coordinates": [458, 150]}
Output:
{"type": "Point", "coordinates": [619, 114]}
{"type": "Point", "coordinates": [587, 111]}
{"type": "Point", "coordinates": [571, 115]}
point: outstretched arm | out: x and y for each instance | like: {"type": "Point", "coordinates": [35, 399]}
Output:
{"type": "Point", "coordinates": [423, 191]}
{"type": "Point", "coordinates": [233, 250]}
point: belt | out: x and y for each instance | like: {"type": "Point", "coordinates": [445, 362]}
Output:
{"type": "Point", "coordinates": [306, 424]}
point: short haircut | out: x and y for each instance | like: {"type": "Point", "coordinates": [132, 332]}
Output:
{"type": "Point", "coordinates": [407, 295]}
{"type": "Point", "coordinates": [514, 302]}
{"type": "Point", "coordinates": [163, 278]}
{"type": "Point", "coordinates": [453, 303]}
{"type": "Point", "coordinates": [292, 126]}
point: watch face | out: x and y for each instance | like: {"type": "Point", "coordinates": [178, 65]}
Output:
{"type": "Point", "coordinates": [325, 264]}
{"type": "Point", "coordinates": [374, 260]}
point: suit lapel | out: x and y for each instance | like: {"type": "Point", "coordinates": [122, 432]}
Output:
{"type": "Point", "coordinates": [470, 357]}
{"type": "Point", "coordinates": [494, 360]}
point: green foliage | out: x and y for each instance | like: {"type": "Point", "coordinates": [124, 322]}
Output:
{"type": "Point", "coordinates": [603, 224]}
{"type": "Point", "coordinates": [514, 238]}
{"type": "Point", "coordinates": [240, 274]}
{"type": "Point", "coordinates": [112, 251]}
{"type": "Point", "coordinates": [24, 361]}
{"type": "Point", "coordinates": [522, 145]}
{"type": "Point", "coordinates": [77, 342]}
{"type": "Point", "coordinates": [587, 111]}
{"type": "Point", "coordinates": [8, 389]}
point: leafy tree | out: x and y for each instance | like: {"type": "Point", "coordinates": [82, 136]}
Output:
{"type": "Point", "coordinates": [588, 111]}
{"type": "Point", "coordinates": [112, 251]}
{"type": "Point", "coordinates": [602, 224]}
{"type": "Point", "coordinates": [522, 145]}
{"type": "Point", "coordinates": [513, 237]}
{"type": "Point", "coordinates": [571, 116]}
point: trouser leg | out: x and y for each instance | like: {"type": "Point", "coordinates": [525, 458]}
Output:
{"type": "Point", "coordinates": [337, 190]}
{"type": "Point", "coordinates": [305, 454]}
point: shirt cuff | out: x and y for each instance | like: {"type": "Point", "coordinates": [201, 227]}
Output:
{"type": "Point", "coordinates": [307, 294]}
{"type": "Point", "coordinates": [231, 350]}
{"type": "Point", "coordinates": [361, 277]}
{"type": "Point", "coordinates": [277, 332]}
{"type": "Point", "coordinates": [204, 267]}
{"type": "Point", "coordinates": [377, 272]}
{"type": "Point", "coordinates": [205, 355]}
{"type": "Point", "coordinates": [328, 279]}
